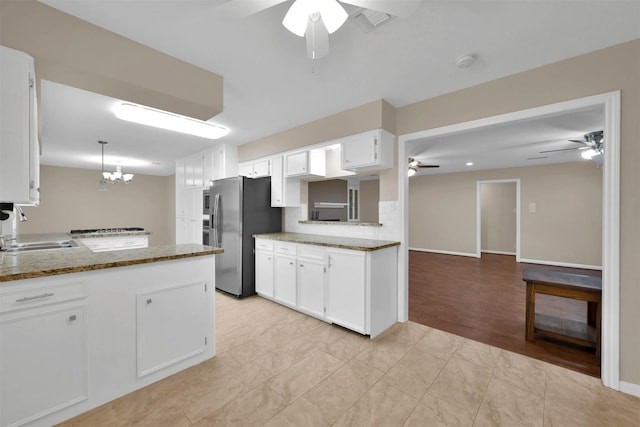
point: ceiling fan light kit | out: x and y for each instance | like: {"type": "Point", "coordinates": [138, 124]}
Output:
{"type": "Point", "coordinates": [301, 11]}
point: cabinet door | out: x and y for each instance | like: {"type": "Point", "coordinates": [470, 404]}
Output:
{"type": "Point", "coordinates": [264, 273]}
{"type": "Point", "coordinates": [277, 182]}
{"type": "Point", "coordinates": [19, 151]}
{"type": "Point", "coordinates": [311, 286]}
{"type": "Point", "coordinates": [359, 151]}
{"type": "Point", "coordinates": [261, 168]}
{"type": "Point", "coordinates": [297, 164]}
{"type": "Point", "coordinates": [285, 279]}
{"type": "Point", "coordinates": [346, 290]}
{"type": "Point", "coordinates": [245, 169]}
{"type": "Point", "coordinates": [45, 367]}
{"type": "Point", "coordinates": [171, 325]}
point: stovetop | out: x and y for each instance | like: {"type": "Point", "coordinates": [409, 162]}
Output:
{"type": "Point", "coordinates": [106, 230]}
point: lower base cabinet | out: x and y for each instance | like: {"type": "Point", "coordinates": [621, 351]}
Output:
{"type": "Point", "coordinates": [171, 326]}
{"type": "Point", "coordinates": [72, 342]}
{"type": "Point", "coordinates": [43, 363]}
{"type": "Point", "coordinates": [352, 288]}
{"type": "Point", "coordinates": [264, 273]}
{"type": "Point", "coordinates": [311, 286]}
{"type": "Point", "coordinates": [346, 289]}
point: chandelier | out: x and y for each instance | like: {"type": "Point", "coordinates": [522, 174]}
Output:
{"type": "Point", "coordinates": [112, 177]}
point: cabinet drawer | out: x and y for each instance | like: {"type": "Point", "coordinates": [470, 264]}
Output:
{"type": "Point", "coordinates": [285, 248]}
{"type": "Point", "coordinates": [311, 252]}
{"type": "Point", "coordinates": [17, 300]}
{"type": "Point", "coordinates": [264, 245]}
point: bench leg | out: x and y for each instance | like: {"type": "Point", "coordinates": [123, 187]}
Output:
{"type": "Point", "coordinates": [531, 312]}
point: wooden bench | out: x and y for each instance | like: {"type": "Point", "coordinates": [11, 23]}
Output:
{"type": "Point", "coordinates": [567, 285]}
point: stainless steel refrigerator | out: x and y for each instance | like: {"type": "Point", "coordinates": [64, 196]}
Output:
{"type": "Point", "coordinates": [239, 208]}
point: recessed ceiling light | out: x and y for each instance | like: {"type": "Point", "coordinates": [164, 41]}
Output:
{"type": "Point", "coordinates": [469, 163]}
{"type": "Point", "coordinates": [165, 120]}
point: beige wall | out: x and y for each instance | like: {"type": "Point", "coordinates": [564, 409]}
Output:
{"type": "Point", "coordinates": [498, 217]}
{"type": "Point", "coordinates": [369, 196]}
{"type": "Point", "coordinates": [615, 68]}
{"type": "Point", "coordinates": [566, 227]}
{"type": "Point", "coordinates": [70, 200]}
{"type": "Point", "coordinates": [373, 115]}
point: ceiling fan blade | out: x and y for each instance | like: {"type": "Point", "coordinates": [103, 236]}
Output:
{"type": "Point", "coordinates": [561, 149]}
{"type": "Point", "coordinates": [401, 8]}
{"type": "Point", "coordinates": [428, 166]}
{"type": "Point", "coordinates": [242, 8]}
{"type": "Point", "coordinates": [579, 141]}
{"type": "Point", "coordinates": [317, 39]}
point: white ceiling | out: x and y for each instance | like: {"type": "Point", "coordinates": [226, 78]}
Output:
{"type": "Point", "coordinates": [271, 86]}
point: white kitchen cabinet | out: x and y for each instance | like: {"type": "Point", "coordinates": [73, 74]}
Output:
{"type": "Point", "coordinates": [285, 192]}
{"type": "Point", "coordinates": [19, 149]}
{"type": "Point", "coordinates": [115, 243]}
{"type": "Point", "coordinates": [353, 288]}
{"type": "Point", "coordinates": [189, 225]}
{"type": "Point", "coordinates": [346, 288]}
{"type": "Point", "coordinates": [255, 169]}
{"type": "Point", "coordinates": [308, 163]}
{"type": "Point", "coordinates": [285, 285]}
{"type": "Point", "coordinates": [171, 325]}
{"type": "Point", "coordinates": [179, 187]}
{"type": "Point", "coordinates": [372, 150]}
{"type": "Point", "coordinates": [194, 171]}
{"type": "Point", "coordinates": [220, 162]}
{"type": "Point", "coordinates": [311, 280]}
{"type": "Point", "coordinates": [43, 352]}
{"type": "Point", "coordinates": [264, 272]}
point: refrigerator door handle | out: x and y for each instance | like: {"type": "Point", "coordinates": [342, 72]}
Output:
{"type": "Point", "coordinates": [216, 212]}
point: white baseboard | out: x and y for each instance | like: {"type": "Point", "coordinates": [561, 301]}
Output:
{"type": "Point", "coordinates": [435, 251]}
{"type": "Point", "coordinates": [497, 252]}
{"type": "Point", "coordinates": [561, 264]}
{"type": "Point", "coordinates": [630, 388]}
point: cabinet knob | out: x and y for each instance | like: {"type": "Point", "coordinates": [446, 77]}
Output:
{"type": "Point", "coordinates": [301, 265]}
{"type": "Point", "coordinates": [291, 263]}
{"type": "Point", "coordinates": [72, 318]}
{"type": "Point", "coordinates": [149, 301]}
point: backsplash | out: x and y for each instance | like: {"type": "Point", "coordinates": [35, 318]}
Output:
{"type": "Point", "coordinates": [389, 217]}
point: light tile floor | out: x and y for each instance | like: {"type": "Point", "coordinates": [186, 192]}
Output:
{"type": "Point", "coordinates": [277, 367]}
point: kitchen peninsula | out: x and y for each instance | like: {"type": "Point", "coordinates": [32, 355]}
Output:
{"type": "Point", "coordinates": [351, 282]}
{"type": "Point", "coordinates": [80, 328]}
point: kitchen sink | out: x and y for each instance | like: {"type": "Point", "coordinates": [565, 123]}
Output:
{"type": "Point", "coordinates": [36, 246]}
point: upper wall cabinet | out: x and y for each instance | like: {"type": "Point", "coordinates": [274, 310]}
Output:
{"type": "Point", "coordinates": [19, 150]}
{"type": "Point", "coordinates": [306, 164]}
{"type": "Point", "coordinates": [372, 150]}
{"type": "Point", "coordinates": [255, 169]}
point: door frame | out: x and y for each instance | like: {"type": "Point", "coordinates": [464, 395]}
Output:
{"type": "Point", "coordinates": [610, 102]}
{"type": "Point", "coordinates": [479, 214]}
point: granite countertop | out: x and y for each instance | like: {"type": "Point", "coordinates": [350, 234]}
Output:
{"type": "Point", "coordinates": [354, 224]}
{"type": "Point", "coordinates": [330, 241]}
{"type": "Point", "coordinates": [50, 262]}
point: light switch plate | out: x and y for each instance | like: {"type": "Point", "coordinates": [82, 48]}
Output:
{"type": "Point", "coordinates": [532, 207]}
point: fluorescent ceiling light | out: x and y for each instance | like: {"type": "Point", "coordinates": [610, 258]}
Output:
{"type": "Point", "coordinates": [469, 163]}
{"type": "Point", "coordinates": [162, 119]}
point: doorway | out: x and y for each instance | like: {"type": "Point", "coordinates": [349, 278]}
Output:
{"type": "Point", "coordinates": [498, 217]}
{"type": "Point", "coordinates": [610, 104]}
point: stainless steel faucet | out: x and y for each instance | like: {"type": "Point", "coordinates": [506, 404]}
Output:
{"type": "Point", "coordinates": [21, 214]}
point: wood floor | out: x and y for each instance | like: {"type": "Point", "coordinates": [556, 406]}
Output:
{"type": "Point", "coordinates": [484, 300]}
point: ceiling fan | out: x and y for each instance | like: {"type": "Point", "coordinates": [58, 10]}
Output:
{"type": "Point", "coordinates": [316, 19]}
{"type": "Point", "coordinates": [414, 165]}
{"type": "Point", "coordinates": [592, 142]}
